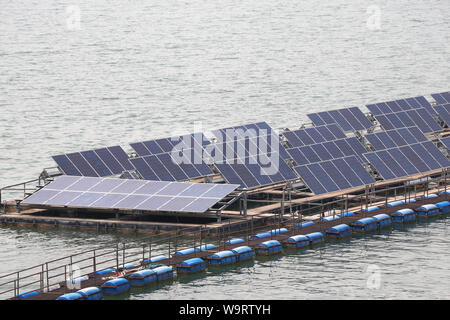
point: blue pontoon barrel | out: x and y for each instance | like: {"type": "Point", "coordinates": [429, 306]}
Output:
{"type": "Point", "coordinates": [115, 286]}
{"type": "Point", "coordinates": [297, 241]}
{"type": "Point", "coordinates": [222, 258]}
{"type": "Point", "coordinates": [339, 231]}
{"type": "Point", "coordinates": [191, 265]}
{"type": "Point", "coordinates": [91, 293]}
{"type": "Point", "coordinates": [403, 215]}
{"type": "Point", "coordinates": [243, 253]}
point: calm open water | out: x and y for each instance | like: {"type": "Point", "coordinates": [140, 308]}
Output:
{"type": "Point", "coordinates": [76, 75]}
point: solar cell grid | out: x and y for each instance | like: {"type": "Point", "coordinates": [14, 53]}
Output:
{"type": "Point", "coordinates": [348, 119]}
{"type": "Point", "coordinates": [129, 194]}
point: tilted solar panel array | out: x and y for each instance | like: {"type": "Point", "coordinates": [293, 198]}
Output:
{"type": "Point", "coordinates": [399, 105]}
{"type": "Point", "coordinates": [334, 175]}
{"type": "Point", "coordinates": [94, 163]}
{"type": "Point", "coordinates": [419, 117]}
{"type": "Point", "coordinates": [407, 160]}
{"type": "Point", "coordinates": [395, 138]}
{"type": "Point", "coordinates": [443, 112]}
{"type": "Point", "coordinates": [172, 159]}
{"type": "Point", "coordinates": [441, 98]}
{"type": "Point", "coordinates": [327, 151]}
{"type": "Point", "coordinates": [446, 142]}
{"type": "Point", "coordinates": [110, 193]}
{"type": "Point", "coordinates": [250, 155]}
{"type": "Point", "coordinates": [313, 135]}
{"type": "Point", "coordinates": [349, 119]}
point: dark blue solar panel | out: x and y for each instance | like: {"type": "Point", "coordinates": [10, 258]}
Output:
{"type": "Point", "coordinates": [326, 117]}
{"type": "Point", "coordinates": [413, 103]}
{"type": "Point", "coordinates": [286, 171]}
{"type": "Point", "coordinates": [414, 158]}
{"type": "Point", "coordinates": [292, 138]}
{"type": "Point", "coordinates": [326, 133]}
{"type": "Point", "coordinates": [109, 160]}
{"type": "Point", "coordinates": [426, 116]}
{"type": "Point", "coordinates": [375, 141]}
{"type": "Point", "coordinates": [396, 137]}
{"type": "Point", "coordinates": [423, 102]}
{"type": "Point", "coordinates": [420, 123]}
{"type": "Point", "coordinates": [384, 108]}
{"type": "Point", "coordinates": [309, 154]}
{"type": "Point", "coordinates": [340, 120]}
{"type": "Point", "coordinates": [140, 149]}
{"type": "Point", "coordinates": [143, 168]}
{"type": "Point", "coordinates": [443, 113]}
{"type": "Point", "coordinates": [403, 161]}
{"type": "Point", "coordinates": [425, 156]}
{"type": "Point", "coordinates": [446, 96]}
{"type": "Point", "coordinates": [406, 134]}
{"type": "Point", "coordinates": [394, 106]}
{"type": "Point", "coordinates": [121, 156]}
{"type": "Point", "coordinates": [256, 171]}
{"type": "Point", "coordinates": [391, 163]}
{"type": "Point", "coordinates": [337, 131]}
{"type": "Point", "coordinates": [361, 117]}
{"type": "Point", "coordinates": [309, 179]}
{"type": "Point", "coordinates": [304, 137]}
{"type": "Point", "coordinates": [395, 120]}
{"type": "Point", "coordinates": [384, 122]}
{"type": "Point", "coordinates": [82, 165]}
{"type": "Point", "coordinates": [298, 156]}
{"type": "Point", "coordinates": [316, 120]}
{"type": "Point", "coordinates": [356, 146]}
{"type": "Point", "coordinates": [158, 168]}
{"type": "Point", "coordinates": [165, 144]}
{"type": "Point", "coordinates": [323, 177]}
{"type": "Point", "coordinates": [333, 149]}
{"type": "Point", "coordinates": [438, 98]}
{"type": "Point", "coordinates": [404, 105]}
{"type": "Point", "coordinates": [420, 137]}
{"type": "Point", "coordinates": [446, 142]}
{"type": "Point", "coordinates": [173, 168]}
{"type": "Point", "coordinates": [315, 135]}
{"type": "Point", "coordinates": [230, 175]}
{"type": "Point", "coordinates": [153, 147]}
{"type": "Point", "coordinates": [96, 163]}
{"type": "Point", "coordinates": [245, 175]}
{"type": "Point", "coordinates": [434, 151]}
{"type": "Point", "coordinates": [348, 172]}
{"type": "Point", "coordinates": [334, 173]}
{"type": "Point", "coordinates": [344, 147]}
{"type": "Point", "coordinates": [66, 165]}
{"type": "Point", "coordinates": [373, 108]}
{"type": "Point", "coordinates": [379, 165]}
{"type": "Point", "coordinates": [405, 119]}
{"type": "Point", "coordinates": [321, 152]}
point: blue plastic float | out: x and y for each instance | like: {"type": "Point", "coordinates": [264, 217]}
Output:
{"type": "Point", "coordinates": [103, 273]}
{"type": "Point", "coordinates": [297, 241]}
{"type": "Point", "coordinates": [142, 278]}
{"type": "Point", "coordinates": [222, 258]}
{"type": "Point", "coordinates": [116, 286]}
{"type": "Point", "coordinates": [27, 295]}
{"type": "Point", "coordinates": [163, 273]}
{"type": "Point", "coordinates": [331, 218]}
{"type": "Point", "coordinates": [91, 293]}
{"type": "Point", "coordinates": [427, 211]}
{"type": "Point", "coordinates": [444, 206]}
{"type": "Point", "coordinates": [346, 214]}
{"type": "Point", "coordinates": [428, 196]}
{"type": "Point", "coordinates": [154, 259]}
{"type": "Point", "coordinates": [364, 224]}
{"type": "Point", "coordinates": [395, 203]}
{"type": "Point", "coordinates": [339, 231]}
{"type": "Point", "coordinates": [269, 247]}
{"type": "Point", "coordinates": [403, 215]}
{"type": "Point", "coordinates": [383, 220]}
{"type": "Point", "coordinates": [315, 238]}
{"type": "Point", "coordinates": [191, 266]}
{"type": "Point", "coordinates": [234, 241]}
{"type": "Point", "coordinates": [71, 296]}
{"type": "Point", "coordinates": [243, 253]}
{"type": "Point", "coordinates": [370, 209]}
{"type": "Point", "coordinates": [304, 224]}
{"type": "Point", "coordinates": [269, 233]}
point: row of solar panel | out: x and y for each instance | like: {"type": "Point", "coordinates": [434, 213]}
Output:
{"type": "Point", "coordinates": [334, 175]}
{"type": "Point", "coordinates": [94, 163]}
{"type": "Point", "coordinates": [164, 167]}
{"type": "Point", "coordinates": [251, 147]}
{"type": "Point", "coordinates": [441, 98]}
{"type": "Point", "coordinates": [443, 111]}
{"type": "Point", "coordinates": [254, 171]}
{"type": "Point", "coordinates": [243, 132]}
{"type": "Point", "coordinates": [327, 151]}
{"type": "Point", "coordinates": [398, 105]}
{"type": "Point", "coordinates": [130, 194]}
{"type": "Point", "coordinates": [395, 138]}
{"type": "Point", "coordinates": [446, 142]}
{"type": "Point", "coordinates": [349, 119]}
{"type": "Point", "coordinates": [418, 117]}
{"type": "Point", "coordinates": [313, 135]}
{"type": "Point", "coordinates": [407, 160]}
{"type": "Point", "coordinates": [166, 145]}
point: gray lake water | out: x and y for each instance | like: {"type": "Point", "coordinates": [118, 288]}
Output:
{"type": "Point", "coordinates": [75, 75]}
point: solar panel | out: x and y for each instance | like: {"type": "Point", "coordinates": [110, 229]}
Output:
{"type": "Point", "coordinates": [81, 192]}
{"type": "Point", "coordinates": [334, 175]}
{"type": "Point", "coordinates": [252, 155]}
{"type": "Point", "coordinates": [101, 162]}
{"type": "Point", "coordinates": [399, 105]}
{"type": "Point", "coordinates": [419, 117]}
{"type": "Point", "coordinates": [314, 135]}
{"type": "Point", "coordinates": [443, 111]}
{"type": "Point", "coordinates": [348, 119]}
{"type": "Point", "coordinates": [405, 160]}
{"type": "Point", "coordinates": [446, 142]}
{"type": "Point", "coordinates": [441, 98]}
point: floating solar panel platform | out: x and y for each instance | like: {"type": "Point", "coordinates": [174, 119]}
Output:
{"type": "Point", "coordinates": [349, 119]}
{"type": "Point", "coordinates": [250, 155]}
{"type": "Point", "coordinates": [314, 135]}
{"type": "Point", "coordinates": [334, 175]}
{"type": "Point", "coordinates": [172, 159]}
{"type": "Point", "coordinates": [407, 160]}
{"type": "Point", "coordinates": [122, 194]}
{"type": "Point", "coordinates": [101, 162]}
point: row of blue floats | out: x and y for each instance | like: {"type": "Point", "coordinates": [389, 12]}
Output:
{"type": "Point", "coordinates": [146, 277]}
